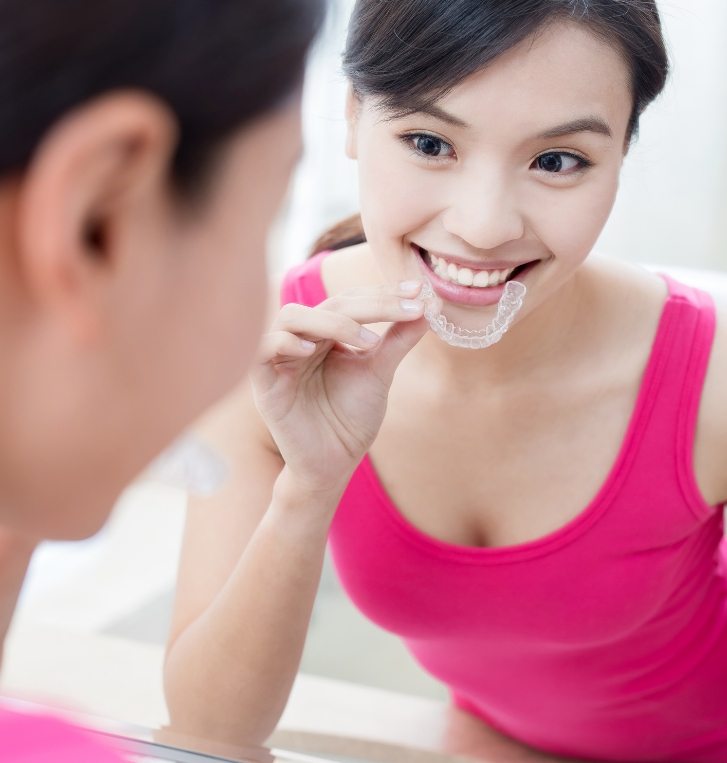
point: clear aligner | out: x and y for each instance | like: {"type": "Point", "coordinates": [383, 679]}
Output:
{"type": "Point", "coordinates": [190, 465]}
{"type": "Point", "coordinates": [507, 308]}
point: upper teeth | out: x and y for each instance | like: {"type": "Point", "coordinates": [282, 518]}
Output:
{"type": "Point", "coordinates": [466, 276]}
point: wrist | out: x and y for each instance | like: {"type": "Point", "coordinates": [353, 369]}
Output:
{"type": "Point", "coordinates": [291, 493]}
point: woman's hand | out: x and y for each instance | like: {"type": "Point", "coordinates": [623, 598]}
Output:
{"type": "Point", "coordinates": [322, 379]}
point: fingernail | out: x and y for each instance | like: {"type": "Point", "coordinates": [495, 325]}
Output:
{"type": "Point", "coordinates": [410, 285]}
{"type": "Point", "coordinates": [307, 346]}
{"type": "Point", "coordinates": [411, 305]}
{"type": "Point", "coordinates": [368, 336]}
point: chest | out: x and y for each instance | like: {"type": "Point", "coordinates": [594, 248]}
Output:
{"type": "Point", "coordinates": [502, 474]}
{"type": "Point", "coordinates": [502, 471]}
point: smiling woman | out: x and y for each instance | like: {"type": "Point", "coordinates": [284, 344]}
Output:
{"type": "Point", "coordinates": [491, 508]}
{"type": "Point", "coordinates": [542, 162]}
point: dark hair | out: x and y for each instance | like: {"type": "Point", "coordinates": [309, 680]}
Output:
{"type": "Point", "coordinates": [410, 53]}
{"type": "Point", "coordinates": [216, 63]}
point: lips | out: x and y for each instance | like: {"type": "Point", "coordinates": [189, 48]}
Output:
{"type": "Point", "coordinates": [450, 281]}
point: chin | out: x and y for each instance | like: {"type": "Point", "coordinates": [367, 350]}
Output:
{"type": "Point", "coordinates": [73, 528]}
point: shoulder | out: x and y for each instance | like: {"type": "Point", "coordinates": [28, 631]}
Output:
{"type": "Point", "coordinates": [349, 268]}
{"type": "Point", "coordinates": [627, 302]}
{"type": "Point", "coordinates": [640, 293]}
{"type": "Point", "coordinates": [323, 275]}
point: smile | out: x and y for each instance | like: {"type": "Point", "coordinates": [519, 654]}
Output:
{"type": "Point", "coordinates": [464, 276]}
{"type": "Point", "coordinates": [468, 284]}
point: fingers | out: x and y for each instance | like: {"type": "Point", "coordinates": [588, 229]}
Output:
{"type": "Point", "coordinates": [398, 340]}
{"type": "Point", "coordinates": [316, 324]}
{"type": "Point", "coordinates": [339, 318]}
{"type": "Point", "coordinates": [278, 349]}
{"type": "Point", "coordinates": [282, 345]}
{"type": "Point", "coordinates": [380, 304]}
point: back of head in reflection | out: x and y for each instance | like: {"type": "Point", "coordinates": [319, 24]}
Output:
{"type": "Point", "coordinates": [144, 150]}
{"type": "Point", "coordinates": [536, 520]}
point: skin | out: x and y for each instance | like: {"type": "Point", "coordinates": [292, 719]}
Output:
{"type": "Point", "coordinates": [115, 295]}
{"type": "Point", "coordinates": [312, 411]}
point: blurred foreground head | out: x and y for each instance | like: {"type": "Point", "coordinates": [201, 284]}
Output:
{"type": "Point", "coordinates": [144, 150]}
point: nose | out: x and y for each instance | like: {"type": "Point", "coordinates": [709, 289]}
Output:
{"type": "Point", "coordinates": [484, 212]}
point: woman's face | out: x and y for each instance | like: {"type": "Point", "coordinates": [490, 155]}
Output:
{"type": "Point", "coordinates": [518, 164]}
{"type": "Point", "coordinates": [173, 309]}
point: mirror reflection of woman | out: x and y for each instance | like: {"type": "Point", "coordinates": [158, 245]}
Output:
{"type": "Point", "coordinates": [539, 521]}
{"type": "Point", "coordinates": [145, 150]}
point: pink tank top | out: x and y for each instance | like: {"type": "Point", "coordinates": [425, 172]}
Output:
{"type": "Point", "coordinates": [605, 639]}
{"type": "Point", "coordinates": [44, 738]}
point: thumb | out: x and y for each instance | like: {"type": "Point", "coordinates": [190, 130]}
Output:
{"type": "Point", "coordinates": [398, 340]}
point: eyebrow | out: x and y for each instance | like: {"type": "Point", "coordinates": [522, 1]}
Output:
{"type": "Point", "coordinates": [584, 124]}
{"type": "Point", "coordinates": [432, 110]}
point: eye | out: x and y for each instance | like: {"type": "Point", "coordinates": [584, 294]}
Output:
{"type": "Point", "coordinates": [561, 162]}
{"type": "Point", "coordinates": [428, 146]}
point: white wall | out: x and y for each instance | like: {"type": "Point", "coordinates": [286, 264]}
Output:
{"type": "Point", "coordinates": [672, 207]}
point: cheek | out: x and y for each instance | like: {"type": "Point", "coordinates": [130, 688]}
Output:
{"type": "Point", "coordinates": [243, 284]}
{"type": "Point", "coordinates": [243, 291]}
{"type": "Point", "coordinates": [224, 305]}
{"type": "Point", "coordinates": [255, 290]}
{"type": "Point", "coordinates": [570, 223]}
{"type": "Point", "coordinates": [395, 197]}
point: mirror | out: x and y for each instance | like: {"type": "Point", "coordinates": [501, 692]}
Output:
{"type": "Point", "coordinates": [93, 617]}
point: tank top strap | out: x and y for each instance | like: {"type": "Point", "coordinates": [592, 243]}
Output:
{"type": "Point", "coordinates": [303, 283]}
{"type": "Point", "coordinates": [673, 381]}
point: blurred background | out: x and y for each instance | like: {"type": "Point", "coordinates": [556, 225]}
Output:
{"type": "Point", "coordinates": [93, 615]}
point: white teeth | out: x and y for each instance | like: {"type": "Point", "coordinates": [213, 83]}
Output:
{"type": "Point", "coordinates": [466, 276]}
{"type": "Point", "coordinates": [482, 278]}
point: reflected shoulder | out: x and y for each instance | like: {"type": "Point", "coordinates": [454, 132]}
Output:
{"type": "Point", "coordinates": [348, 268]}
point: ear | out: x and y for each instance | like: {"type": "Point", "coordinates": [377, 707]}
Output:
{"type": "Point", "coordinates": [353, 109]}
{"type": "Point", "coordinates": [91, 171]}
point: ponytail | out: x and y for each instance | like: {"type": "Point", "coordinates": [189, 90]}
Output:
{"type": "Point", "coordinates": [348, 232]}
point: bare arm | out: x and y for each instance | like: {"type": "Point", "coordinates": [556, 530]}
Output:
{"type": "Point", "coordinates": [252, 555]}
{"type": "Point", "coordinates": [250, 567]}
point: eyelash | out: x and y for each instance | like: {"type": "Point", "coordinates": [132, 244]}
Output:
{"type": "Point", "coordinates": [583, 163]}
{"type": "Point", "coordinates": [409, 138]}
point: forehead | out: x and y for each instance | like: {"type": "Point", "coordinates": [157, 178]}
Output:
{"type": "Point", "coordinates": [562, 73]}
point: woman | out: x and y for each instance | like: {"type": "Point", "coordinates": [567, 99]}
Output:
{"type": "Point", "coordinates": [141, 166]}
{"type": "Point", "coordinates": [538, 520]}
